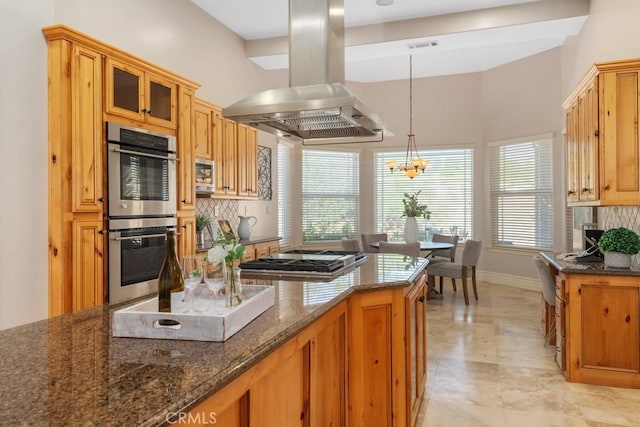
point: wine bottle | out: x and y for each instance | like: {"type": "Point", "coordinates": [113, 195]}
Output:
{"type": "Point", "coordinates": [170, 278]}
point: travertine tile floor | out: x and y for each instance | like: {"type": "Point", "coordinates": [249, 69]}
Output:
{"type": "Point", "coordinates": [488, 366]}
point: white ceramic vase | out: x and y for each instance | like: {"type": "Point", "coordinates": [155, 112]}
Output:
{"type": "Point", "coordinates": [617, 260]}
{"type": "Point", "coordinates": [411, 229]}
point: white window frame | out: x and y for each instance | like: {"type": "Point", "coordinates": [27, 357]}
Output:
{"type": "Point", "coordinates": [534, 197]}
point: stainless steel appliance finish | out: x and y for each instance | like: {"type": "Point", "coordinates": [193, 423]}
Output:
{"type": "Point", "coordinates": [136, 250]}
{"type": "Point", "coordinates": [205, 176]}
{"type": "Point", "coordinates": [141, 172]}
{"type": "Point", "coordinates": [307, 264]}
{"type": "Point", "coordinates": [316, 108]}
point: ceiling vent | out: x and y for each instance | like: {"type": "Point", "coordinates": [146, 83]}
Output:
{"type": "Point", "coordinates": [420, 45]}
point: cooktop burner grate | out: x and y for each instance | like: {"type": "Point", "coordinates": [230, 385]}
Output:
{"type": "Point", "coordinates": [303, 260]}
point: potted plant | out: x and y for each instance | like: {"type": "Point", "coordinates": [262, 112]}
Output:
{"type": "Point", "coordinates": [201, 223]}
{"type": "Point", "coordinates": [618, 245]}
{"type": "Point", "coordinates": [412, 209]}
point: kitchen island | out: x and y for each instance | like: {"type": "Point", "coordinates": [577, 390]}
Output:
{"type": "Point", "coordinates": [597, 310]}
{"type": "Point", "coordinates": [70, 370]}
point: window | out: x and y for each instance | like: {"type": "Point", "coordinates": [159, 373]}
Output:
{"type": "Point", "coordinates": [330, 195]}
{"type": "Point", "coordinates": [285, 222]}
{"type": "Point", "coordinates": [446, 188]}
{"type": "Point", "coordinates": [522, 193]}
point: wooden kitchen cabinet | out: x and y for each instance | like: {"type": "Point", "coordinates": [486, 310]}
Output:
{"type": "Point", "coordinates": [186, 173]}
{"type": "Point", "coordinates": [303, 382]}
{"type": "Point", "coordinates": [582, 143]}
{"type": "Point", "coordinates": [187, 236]}
{"type": "Point", "coordinates": [619, 132]}
{"type": "Point", "coordinates": [601, 331]}
{"type": "Point", "coordinates": [416, 345]}
{"type": "Point", "coordinates": [203, 129]}
{"type": "Point", "coordinates": [602, 144]}
{"type": "Point", "coordinates": [561, 323]}
{"type": "Point", "coordinates": [89, 83]}
{"type": "Point", "coordinates": [138, 94]}
{"type": "Point", "coordinates": [247, 161]}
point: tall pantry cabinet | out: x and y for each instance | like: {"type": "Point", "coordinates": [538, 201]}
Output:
{"type": "Point", "coordinates": [82, 76]}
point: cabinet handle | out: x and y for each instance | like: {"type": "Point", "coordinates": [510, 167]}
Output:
{"type": "Point", "coordinates": [596, 133]}
{"type": "Point", "coordinates": [144, 110]}
{"type": "Point", "coordinates": [101, 199]}
{"type": "Point", "coordinates": [607, 187]}
{"type": "Point", "coordinates": [421, 299]}
{"type": "Point", "coordinates": [150, 112]}
{"type": "Point", "coordinates": [101, 231]}
{"type": "Point", "coordinates": [585, 190]}
{"type": "Point", "coordinates": [570, 192]}
{"type": "Point", "coordinates": [184, 226]}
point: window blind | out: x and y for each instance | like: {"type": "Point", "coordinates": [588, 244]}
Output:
{"type": "Point", "coordinates": [522, 194]}
{"type": "Point", "coordinates": [330, 195]}
{"type": "Point", "coordinates": [285, 221]}
{"type": "Point", "coordinates": [446, 188]}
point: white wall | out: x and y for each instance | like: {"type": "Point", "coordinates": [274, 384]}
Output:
{"type": "Point", "coordinates": [23, 161]}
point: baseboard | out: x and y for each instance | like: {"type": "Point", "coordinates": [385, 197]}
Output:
{"type": "Point", "coordinates": [528, 283]}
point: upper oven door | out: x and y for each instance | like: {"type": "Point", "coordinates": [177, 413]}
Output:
{"type": "Point", "coordinates": [141, 172]}
{"type": "Point", "coordinates": [141, 183]}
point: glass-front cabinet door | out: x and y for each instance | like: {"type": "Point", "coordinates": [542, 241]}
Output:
{"type": "Point", "coordinates": [140, 95]}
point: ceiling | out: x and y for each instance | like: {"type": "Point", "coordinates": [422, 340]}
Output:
{"type": "Point", "coordinates": [469, 35]}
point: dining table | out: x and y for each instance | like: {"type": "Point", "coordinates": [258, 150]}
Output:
{"type": "Point", "coordinates": [427, 246]}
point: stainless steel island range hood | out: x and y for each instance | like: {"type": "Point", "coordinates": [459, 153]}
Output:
{"type": "Point", "coordinates": [316, 108]}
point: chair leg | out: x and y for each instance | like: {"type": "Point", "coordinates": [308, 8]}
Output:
{"type": "Point", "coordinates": [464, 289]}
{"type": "Point", "coordinates": [441, 282]}
{"type": "Point", "coordinates": [473, 281]}
{"type": "Point", "coordinates": [453, 282]}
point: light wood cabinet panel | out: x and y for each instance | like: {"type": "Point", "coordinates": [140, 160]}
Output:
{"type": "Point", "coordinates": [572, 176]}
{"type": "Point", "coordinates": [88, 249]}
{"type": "Point", "coordinates": [186, 174]}
{"type": "Point", "coordinates": [87, 151]}
{"type": "Point", "coordinates": [588, 147]}
{"type": "Point", "coordinates": [610, 334]}
{"type": "Point", "coordinates": [187, 236]}
{"type": "Point", "coordinates": [377, 374]}
{"type": "Point", "coordinates": [140, 95]}
{"type": "Point", "coordinates": [416, 346]}
{"type": "Point", "coordinates": [203, 130]}
{"type": "Point", "coordinates": [279, 397]}
{"type": "Point", "coordinates": [247, 161]}
{"type": "Point", "coordinates": [229, 157]}
{"type": "Point", "coordinates": [620, 153]}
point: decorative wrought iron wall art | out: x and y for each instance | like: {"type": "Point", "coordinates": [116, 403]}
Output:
{"type": "Point", "coordinates": [264, 173]}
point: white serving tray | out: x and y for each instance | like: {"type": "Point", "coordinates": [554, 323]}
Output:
{"type": "Point", "coordinates": [211, 320]}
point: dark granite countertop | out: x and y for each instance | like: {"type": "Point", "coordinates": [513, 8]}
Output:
{"type": "Point", "coordinates": [251, 241]}
{"type": "Point", "coordinates": [570, 267]}
{"type": "Point", "coordinates": [70, 370]}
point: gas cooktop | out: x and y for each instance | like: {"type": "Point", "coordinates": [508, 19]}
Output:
{"type": "Point", "coordinates": [304, 263]}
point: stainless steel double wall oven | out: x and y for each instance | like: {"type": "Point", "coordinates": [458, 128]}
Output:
{"type": "Point", "coordinates": [142, 207]}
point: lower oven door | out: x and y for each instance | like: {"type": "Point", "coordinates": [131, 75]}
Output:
{"type": "Point", "coordinates": [136, 250]}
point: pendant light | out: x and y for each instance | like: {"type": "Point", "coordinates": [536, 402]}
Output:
{"type": "Point", "coordinates": [413, 164]}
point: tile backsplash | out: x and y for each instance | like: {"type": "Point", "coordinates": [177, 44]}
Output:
{"type": "Point", "coordinates": [219, 209]}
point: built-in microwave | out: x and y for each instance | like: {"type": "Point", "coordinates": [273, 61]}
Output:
{"type": "Point", "coordinates": [141, 172]}
{"type": "Point", "coordinates": [205, 176]}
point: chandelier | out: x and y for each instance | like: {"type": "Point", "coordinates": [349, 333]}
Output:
{"type": "Point", "coordinates": [413, 164]}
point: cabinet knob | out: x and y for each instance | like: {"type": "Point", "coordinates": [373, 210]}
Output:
{"type": "Point", "coordinates": [570, 192]}
{"type": "Point", "coordinates": [607, 187]}
{"type": "Point", "coordinates": [150, 112]}
{"type": "Point", "coordinates": [101, 199]}
{"type": "Point", "coordinates": [101, 231]}
{"type": "Point", "coordinates": [421, 299]}
{"type": "Point", "coordinates": [184, 200]}
{"type": "Point", "coordinates": [585, 190]}
{"type": "Point", "coordinates": [184, 226]}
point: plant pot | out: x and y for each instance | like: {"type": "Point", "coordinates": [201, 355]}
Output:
{"type": "Point", "coordinates": [411, 229]}
{"type": "Point", "coordinates": [617, 260]}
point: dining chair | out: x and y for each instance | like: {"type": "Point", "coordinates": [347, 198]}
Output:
{"type": "Point", "coordinates": [453, 270]}
{"type": "Point", "coordinates": [548, 292]}
{"type": "Point", "coordinates": [368, 239]}
{"type": "Point", "coordinates": [411, 249]}
{"type": "Point", "coordinates": [439, 255]}
{"type": "Point", "coordinates": [351, 245]}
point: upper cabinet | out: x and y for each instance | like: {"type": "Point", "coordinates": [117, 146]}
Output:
{"type": "Point", "coordinates": [233, 148]}
{"type": "Point", "coordinates": [602, 151]}
{"type": "Point", "coordinates": [140, 95]}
